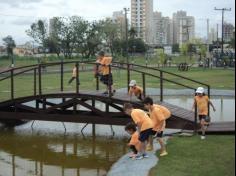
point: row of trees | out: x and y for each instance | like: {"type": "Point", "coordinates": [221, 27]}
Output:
{"type": "Point", "coordinates": [76, 35]}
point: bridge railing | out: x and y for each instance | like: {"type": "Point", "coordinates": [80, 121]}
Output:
{"type": "Point", "coordinates": [37, 77]}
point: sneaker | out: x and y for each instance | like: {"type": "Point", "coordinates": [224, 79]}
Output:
{"type": "Point", "coordinates": [145, 155]}
{"type": "Point", "coordinates": [203, 137]}
{"type": "Point", "coordinates": [132, 155]}
{"type": "Point", "coordinates": [139, 157]}
{"type": "Point", "coordinates": [163, 153]}
{"type": "Point", "coordinates": [149, 148]}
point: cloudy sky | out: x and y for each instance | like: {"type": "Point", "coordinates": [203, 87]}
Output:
{"type": "Point", "coordinates": [16, 16]}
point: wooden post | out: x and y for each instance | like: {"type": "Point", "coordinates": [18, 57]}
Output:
{"type": "Point", "coordinates": [144, 84]}
{"type": "Point", "coordinates": [97, 77]}
{"type": "Point", "coordinates": [40, 81]}
{"type": "Point", "coordinates": [128, 76]}
{"type": "Point", "coordinates": [161, 86]}
{"type": "Point", "coordinates": [35, 82]}
{"type": "Point", "coordinates": [77, 77]}
{"type": "Point", "coordinates": [195, 119]}
{"type": "Point", "coordinates": [109, 82]}
{"type": "Point", "coordinates": [12, 84]}
{"type": "Point", "coordinates": [62, 76]}
{"type": "Point", "coordinates": [209, 95]}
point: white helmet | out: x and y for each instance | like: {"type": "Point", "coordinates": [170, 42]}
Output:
{"type": "Point", "coordinates": [132, 83]}
{"type": "Point", "coordinates": [200, 90]}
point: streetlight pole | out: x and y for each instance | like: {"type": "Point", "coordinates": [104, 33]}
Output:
{"type": "Point", "coordinates": [127, 45]}
{"type": "Point", "coordinates": [222, 32]}
{"type": "Point", "coordinates": [126, 34]}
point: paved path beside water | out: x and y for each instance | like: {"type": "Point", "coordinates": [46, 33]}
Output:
{"type": "Point", "coordinates": [131, 167]}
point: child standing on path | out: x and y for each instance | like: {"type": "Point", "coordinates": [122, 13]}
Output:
{"type": "Point", "coordinates": [136, 90]}
{"type": "Point", "coordinates": [202, 101]}
{"type": "Point", "coordinates": [134, 143]}
{"type": "Point", "coordinates": [158, 115]}
{"type": "Point", "coordinates": [74, 75]}
{"type": "Point", "coordinates": [144, 125]}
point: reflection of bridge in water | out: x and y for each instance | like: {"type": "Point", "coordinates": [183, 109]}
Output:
{"type": "Point", "coordinates": [66, 110]}
{"type": "Point", "coordinates": [43, 152]}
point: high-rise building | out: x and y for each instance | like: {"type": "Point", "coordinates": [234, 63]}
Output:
{"type": "Point", "coordinates": [162, 29]}
{"type": "Point", "coordinates": [142, 19]}
{"type": "Point", "coordinates": [119, 19]}
{"type": "Point", "coordinates": [212, 35]}
{"type": "Point", "coordinates": [183, 27]}
{"type": "Point", "coordinates": [228, 31]}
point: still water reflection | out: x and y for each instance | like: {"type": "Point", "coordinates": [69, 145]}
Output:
{"type": "Point", "coordinates": [53, 153]}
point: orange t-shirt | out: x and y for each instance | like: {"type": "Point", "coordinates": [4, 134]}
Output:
{"type": "Point", "coordinates": [164, 110]}
{"type": "Point", "coordinates": [135, 90]}
{"type": "Point", "coordinates": [202, 104]}
{"type": "Point", "coordinates": [141, 118]}
{"type": "Point", "coordinates": [105, 62]}
{"type": "Point", "coordinates": [134, 140]}
{"type": "Point", "coordinates": [158, 118]}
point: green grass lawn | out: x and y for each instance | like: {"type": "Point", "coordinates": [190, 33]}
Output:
{"type": "Point", "coordinates": [191, 156]}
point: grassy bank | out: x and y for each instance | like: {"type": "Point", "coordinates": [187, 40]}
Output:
{"type": "Point", "coordinates": [191, 156]}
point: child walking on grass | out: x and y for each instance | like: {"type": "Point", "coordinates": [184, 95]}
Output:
{"type": "Point", "coordinates": [202, 101]}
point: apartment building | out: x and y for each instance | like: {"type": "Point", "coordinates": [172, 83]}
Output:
{"type": "Point", "coordinates": [183, 27]}
{"type": "Point", "coordinates": [142, 19]}
{"type": "Point", "coordinates": [228, 32]}
{"type": "Point", "coordinates": [162, 29]}
{"type": "Point", "coordinates": [118, 18]}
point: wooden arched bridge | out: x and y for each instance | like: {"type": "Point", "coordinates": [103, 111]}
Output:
{"type": "Point", "coordinates": [41, 92]}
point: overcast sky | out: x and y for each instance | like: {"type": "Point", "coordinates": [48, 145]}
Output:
{"type": "Point", "coordinates": [16, 16]}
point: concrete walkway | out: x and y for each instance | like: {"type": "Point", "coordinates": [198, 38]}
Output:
{"type": "Point", "coordinates": [126, 166]}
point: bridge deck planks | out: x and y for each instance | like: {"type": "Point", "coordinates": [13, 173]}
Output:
{"type": "Point", "coordinates": [178, 112]}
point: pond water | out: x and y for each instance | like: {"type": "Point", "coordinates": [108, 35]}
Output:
{"type": "Point", "coordinates": [225, 106]}
{"type": "Point", "coordinates": [46, 149]}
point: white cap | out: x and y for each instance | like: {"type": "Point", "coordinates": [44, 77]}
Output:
{"type": "Point", "coordinates": [200, 90]}
{"type": "Point", "coordinates": [132, 83]}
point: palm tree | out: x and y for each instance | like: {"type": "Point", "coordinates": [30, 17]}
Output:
{"type": "Point", "coordinates": [132, 33]}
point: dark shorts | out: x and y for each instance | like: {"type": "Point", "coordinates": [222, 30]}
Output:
{"type": "Point", "coordinates": [205, 118]}
{"type": "Point", "coordinates": [202, 117]}
{"type": "Point", "coordinates": [144, 135]}
{"type": "Point", "coordinates": [106, 79]}
{"type": "Point", "coordinates": [157, 134]}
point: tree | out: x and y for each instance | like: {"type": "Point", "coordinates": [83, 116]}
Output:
{"type": "Point", "coordinates": [132, 33]}
{"type": "Point", "coordinates": [38, 31]}
{"type": "Point", "coordinates": [175, 48]}
{"type": "Point", "coordinates": [10, 44]}
{"type": "Point", "coordinates": [93, 39]}
{"type": "Point", "coordinates": [53, 42]}
{"type": "Point", "coordinates": [139, 44]}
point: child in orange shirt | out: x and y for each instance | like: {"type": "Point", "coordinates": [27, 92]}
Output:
{"type": "Point", "coordinates": [105, 72]}
{"type": "Point", "coordinates": [202, 101]}
{"type": "Point", "coordinates": [134, 143]}
{"type": "Point", "coordinates": [144, 125]}
{"type": "Point", "coordinates": [158, 115]}
{"type": "Point", "coordinates": [74, 75]}
{"type": "Point", "coordinates": [136, 90]}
